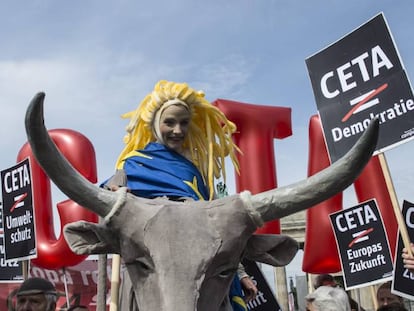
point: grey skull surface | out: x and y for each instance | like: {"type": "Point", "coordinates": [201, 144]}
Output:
{"type": "Point", "coordinates": [184, 254]}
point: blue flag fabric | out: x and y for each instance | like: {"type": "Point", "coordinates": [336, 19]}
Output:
{"type": "Point", "coordinates": [236, 294]}
{"type": "Point", "coordinates": [158, 171]}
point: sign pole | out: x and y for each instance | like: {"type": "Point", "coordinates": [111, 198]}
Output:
{"type": "Point", "coordinates": [101, 286]}
{"type": "Point", "coordinates": [401, 224]}
{"type": "Point", "coordinates": [65, 284]}
{"type": "Point", "coordinates": [374, 296]}
{"type": "Point", "coordinates": [25, 268]}
{"type": "Point", "coordinates": [115, 279]}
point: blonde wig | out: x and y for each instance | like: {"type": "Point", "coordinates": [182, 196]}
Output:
{"type": "Point", "coordinates": [209, 138]}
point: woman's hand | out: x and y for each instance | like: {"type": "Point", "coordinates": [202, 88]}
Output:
{"type": "Point", "coordinates": [249, 288]}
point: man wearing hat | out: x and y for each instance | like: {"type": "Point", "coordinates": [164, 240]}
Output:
{"type": "Point", "coordinates": [36, 294]}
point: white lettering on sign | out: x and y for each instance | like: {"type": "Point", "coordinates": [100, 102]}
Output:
{"type": "Point", "coordinates": [356, 217]}
{"type": "Point", "coordinates": [19, 221]}
{"type": "Point", "coordinates": [408, 274]}
{"type": "Point", "coordinates": [54, 276]}
{"type": "Point", "coordinates": [8, 264]}
{"type": "Point", "coordinates": [396, 111]}
{"type": "Point", "coordinates": [345, 73]}
{"type": "Point", "coordinates": [349, 131]}
{"type": "Point", "coordinates": [367, 264]}
{"type": "Point", "coordinates": [408, 217]}
{"type": "Point", "coordinates": [366, 257]}
{"type": "Point", "coordinates": [16, 179]}
{"type": "Point", "coordinates": [20, 224]}
{"type": "Point", "coordinates": [20, 235]}
{"type": "Point", "coordinates": [364, 251]}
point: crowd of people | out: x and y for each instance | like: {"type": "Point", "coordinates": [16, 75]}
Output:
{"type": "Point", "coordinates": [38, 294]}
{"type": "Point", "coordinates": [329, 296]}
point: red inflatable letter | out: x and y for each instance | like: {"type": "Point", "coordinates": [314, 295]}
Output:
{"type": "Point", "coordinates": [257, 127]}
{"type": "Point", "coordinates": [320, 257]}
{"type": "Point", "coordinates": [55, 253]}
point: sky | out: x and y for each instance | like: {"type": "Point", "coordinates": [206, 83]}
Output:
{"type": "Point", "coordinates": [96, 60]}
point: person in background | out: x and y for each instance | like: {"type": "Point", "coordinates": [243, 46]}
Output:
{"type": "Point", "coordinates": [36, 294]}
{"type": "Point", "coordinates": [329, 280]}
{"type": "Point", "coordinates": [78, 308]}
{"type": "Point", "coordinates": [327, 298]}
{"type": "Point", "coordinates": [385, 297]}
{"type": "Point", "coordinates": [392, 307]}
{"type": "Point", "coordinates": [175, 147]}
{"type": "Point", "coordinates": [324, 280]}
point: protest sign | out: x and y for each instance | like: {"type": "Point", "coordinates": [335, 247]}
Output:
{"type": "Point", "coordinates": [12, 270]}
{"type": "Point", "coordinates": [363, 245]}
{"type": "Point", "coordinates": [357, 78]}
{"type": "Point", "coordinates": [18, 212]}
{"type": "Point", "coordinates": [265, 299]}
{"type": "Point", "coordinates": [403, 281]}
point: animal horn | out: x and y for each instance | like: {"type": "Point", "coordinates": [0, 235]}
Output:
{"type": "Point", "coordinates": [60, 171]}
{"type": "Point", "coordinates": [287, 200]}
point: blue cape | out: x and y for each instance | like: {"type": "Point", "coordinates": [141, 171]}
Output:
{"type": "Point", "coordinates": [158, 171]}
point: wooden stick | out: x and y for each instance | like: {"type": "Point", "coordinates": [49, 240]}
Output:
{"type": "Point", "coordinates": [400, 220]}
{"type": "Point", "coordinates": [101, 286]}
{"type": "Point", "coordinates": [374, 296]}
{"type": "Point", "coordinates": [65, 283]}
{"type": "Point", "coordinates": [115, 281]}
{"type": "Point", "coordinates": [25, 268]}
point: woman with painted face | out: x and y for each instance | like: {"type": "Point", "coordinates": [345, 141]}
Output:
{"type": "Point", "coordinates": [176, 145]}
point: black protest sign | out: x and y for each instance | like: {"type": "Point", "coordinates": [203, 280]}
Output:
{"type": "Point", "coordinates": [18, 213]}
{"type": "Point", "coordinates": [363, 245]}
{"type": "Point", "coordinates": [403, 282]}
{"type": "Point", "coordinates": [356, 79]}
{"type": "Point", "coordinates": [10, 271]}
{"type": "Point", "coordinates": [265, 300]}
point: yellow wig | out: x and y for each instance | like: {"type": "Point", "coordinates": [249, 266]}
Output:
{"type": "Point", "coordinates": [208, 140]}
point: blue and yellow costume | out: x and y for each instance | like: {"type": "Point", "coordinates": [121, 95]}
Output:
{"type": "Point", "coordinates": [152, 170]}
{"type": "Point", "coordinates": [156, 171]}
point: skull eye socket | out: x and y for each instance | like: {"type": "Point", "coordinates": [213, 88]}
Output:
{"type": "Point", "coordinates": [142, 265]}
{"type": "Point", "coordinates": [227, 273]}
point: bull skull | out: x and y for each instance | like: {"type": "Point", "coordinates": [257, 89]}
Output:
{"type": "Point", "coordinates": [184, 254]}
